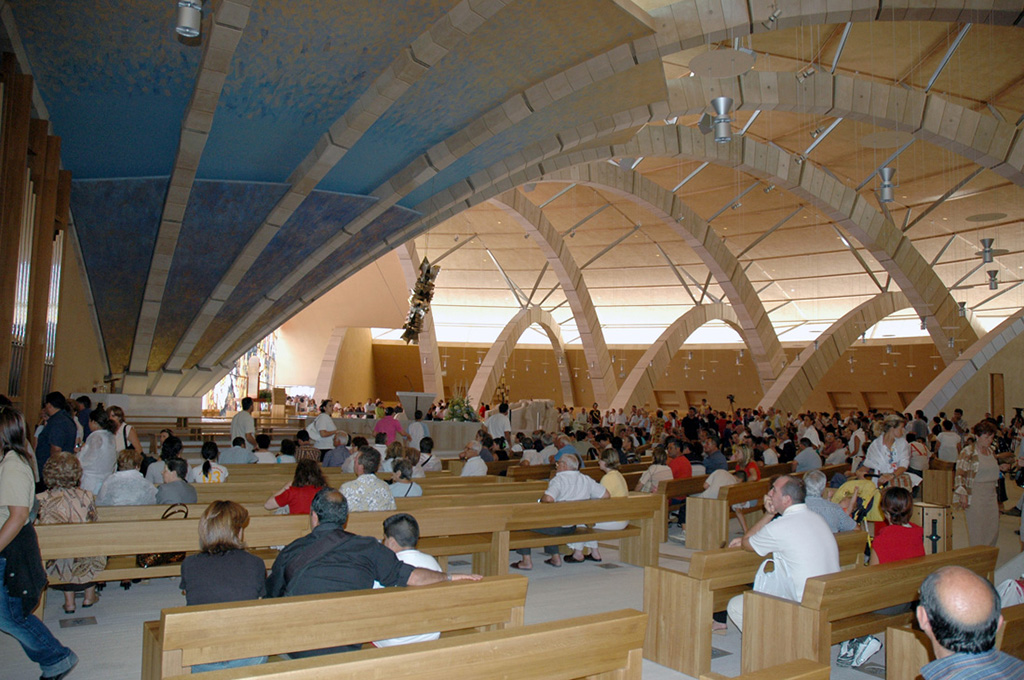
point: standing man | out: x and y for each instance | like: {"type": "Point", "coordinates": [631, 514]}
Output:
{"type": "Point", "coordinates": [959, 612]}
{"type": "Point", "coordinates": [59, 433]}
{"type": "Point", "coordinates": [243, 425]}
{"type": "Point", "coordinates": [498, 424]}
{"type": "Point", "coordinates": [417, 431]}
{"type": "Point", "coordinates": [331, 560]}
{"type": "Point", "coordinates": [799, 540]}
{"type": "Point", "coordinates": [84, 410]}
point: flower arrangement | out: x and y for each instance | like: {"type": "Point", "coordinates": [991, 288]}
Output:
{"type": "Point", "coordinates": [460, 409]}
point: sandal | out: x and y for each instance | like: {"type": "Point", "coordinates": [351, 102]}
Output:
{"type": "Point", "coordinates": [591, 558]}
{"type": "Point", "coordinates": [572, 560]}
{"type": "Point", "coordinates": [551, 561]}
{"type": "Point", "coordinates": [68, 611]}
{"type": "Point", "coordinates": [520, 567]}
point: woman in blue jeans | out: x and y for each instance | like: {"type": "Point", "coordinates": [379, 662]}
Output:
{"type": "Point", "coordinates": [20, 563]}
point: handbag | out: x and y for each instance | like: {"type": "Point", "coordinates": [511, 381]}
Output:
{"type": "Point", "coordinates": [147, 560]}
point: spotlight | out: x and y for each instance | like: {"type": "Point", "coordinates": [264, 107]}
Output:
{"type": "Point", "coordinates": [190, 17]}
{"type": "Point", "coordinates": [961, 309]}
{"type": "Point", "coordinates": [817, 132]}
{"type": "Point", "coordinates": [886, 192]}
{"type": "Point", "coordinates": [720, 122]}
{"type": "Point", "coordinates": [736, 206]}
{"type": "Point", "coordinates": [769, 24]}
{"type": "Point", "coordinates": [805, 74]}
{"type": "Point", "coordinates": [770, 188]}
{"type": "Point", "coordinates": [924, 324]}
{"type": "Point", "coordinates": [993, 279]}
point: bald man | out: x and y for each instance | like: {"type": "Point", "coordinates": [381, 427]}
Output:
{"type": "Point", "coordinates": [959, 612]}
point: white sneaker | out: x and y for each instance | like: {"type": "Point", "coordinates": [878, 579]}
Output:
{"type": "Point", "coordinates": [846, 652]}
{"type": "Point", "coordinates": [865, 650]}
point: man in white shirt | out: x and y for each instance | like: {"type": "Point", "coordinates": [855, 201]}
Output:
{"type": "Point", "coordinates": [401, 534]}
{"type": "Point", "coordinates": [800, 541]}
{"type": "Point", "coordinates": [568, 484]}
{"type": "Point", "coordinates": [417, 430]}
{"type": "Point", "coordinates": [475, 466]}
{"type": "Point", "coordinates": [243, 425]}
{"type": "Point", "coordinates": [498, 424]}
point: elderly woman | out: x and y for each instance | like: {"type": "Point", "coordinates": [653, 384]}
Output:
{"type": "Point", "coordinates": [974, 485]}
{"type": "Point", "coordinates": [658, 472]}
{"type": "Point", "coordinates": [222, 570]}
{"type": "Point", "coordinates": [127, 486]}
{"type": "Point", "coordinates": [65, 502]}
{"type": "Point", "coordinates": [125, 436]}
{"type": "Point", "coordinates": [98, 455]}
{"type": "Point", "coordinates": [171, 447]}
{"type": "Point", "coordinates": [888, 456]}
{"type": "Point", "coordinates": [402, 485]}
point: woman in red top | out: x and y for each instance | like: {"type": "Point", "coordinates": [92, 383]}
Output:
{"type": "Point", "coordinates": [897, 539]}
{"type": "Point", "coordinates": [298, 495]}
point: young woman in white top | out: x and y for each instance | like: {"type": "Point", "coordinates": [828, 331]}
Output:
{"type": "Point", "coordinates": [210, 472]}
{"type": "Point", "coordinates": [125, 437]}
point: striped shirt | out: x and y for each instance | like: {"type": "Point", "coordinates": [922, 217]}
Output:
{"type": "Point", "coordinates": [991, 665]}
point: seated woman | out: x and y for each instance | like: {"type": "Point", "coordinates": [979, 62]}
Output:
{"type": "Point", "coordinates": [298, 495]}
{"type": "Point", "coordinates": [402, 485]}
{"type": "Point", "coordinates": [170, 447]}
{"type": "Point", "coordinates": [64, 502]}
{"type": "Point", "coordinates": [615, 483]}
{"type": "Point", "coordinates": [210, 472]}
{"type": "Point", "coordinates": [127, 486]}
{"type": "Point", "coordinates": [393, 452]}
{"type": "Point", "coordinates": [222, 570]}
{"type": "Point", "coordinates": [174, 488]}
{"type": "Point", "coordinates": [98, 454]}
{"type": "Point", "coordinates": [658, 472]}
{"type": "Point", "coordinates": [745, 468]}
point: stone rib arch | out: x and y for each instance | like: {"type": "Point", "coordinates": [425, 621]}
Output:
{"type": "Point", "coordinates": [570, 278]}
{"type": "Point", "coordinates": [638, 388]}
{"type": "Point", "coordinates": [430, 356]}
{"type": "Point", "coordinates": [883, 239]}
{"type": "Point", "coordinates": [754, 325]}
{"type": "Point", "coordinates": [485, 382]}
{"type": "Point", "coordinates": [798, 380]}
{"type": "Point", "coordinates": [937, 395]}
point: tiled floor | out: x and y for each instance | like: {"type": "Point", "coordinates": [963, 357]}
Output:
{"type": "Point", "coordinates": [110, 646]}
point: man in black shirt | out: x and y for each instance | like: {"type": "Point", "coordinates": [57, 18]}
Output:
{"type": "Point", "coordinates": [331, 560]}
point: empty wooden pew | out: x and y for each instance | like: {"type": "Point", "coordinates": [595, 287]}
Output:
{"type": "Point", "coordinates": [681, 605]}
{"type": "Point", "coordinates": [801, 669]}
{"type": "Point", "coordinates": [841, 606]}
{"type": "Point", "coordinates": [187, 636]}
{"type": "Point", "coordinates": [601, 646]}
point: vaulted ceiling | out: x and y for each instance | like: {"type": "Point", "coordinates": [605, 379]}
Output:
{"type": "Point", "coordinates": [224, 183]}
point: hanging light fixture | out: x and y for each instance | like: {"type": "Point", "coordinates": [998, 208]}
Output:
{"type": "Point", "coordinates": [961, 309]}
{"type": "Point", "coordinates": [993, 279]}
{"type": "Point", "coordinates": [720, 122]}
{"type": "Point", "coordinates": [924, 324]}
{"type": "Point", "coordinates": [886, 192]}
{"type": "Point", "coordinates": [190, 17]}
{"type": "Point", "coordinates": [987, 252]}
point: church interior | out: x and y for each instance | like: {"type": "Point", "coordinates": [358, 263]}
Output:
{"type": "Point", "coordinates": [806, 206]}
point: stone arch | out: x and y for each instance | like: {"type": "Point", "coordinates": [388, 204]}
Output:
{"type": "Point", "coordinates": [538, 228]}
{"type": "Point", "coordinates": [799, 378]}
{"type": "Point", "coordinates": [486, 379]}
{"type": "Point", "coordinates": [430, 356]}
{"type": "Point", "coordinates": [983, 139]}
{"type": "Point", "coordinates": [883, 239]}
{"type": "Point", "coordinates": [638, 387]}
{"type": "Point", "coordinates": [755, 326]}
{"type": "Point", "coordinates": [940, 391]}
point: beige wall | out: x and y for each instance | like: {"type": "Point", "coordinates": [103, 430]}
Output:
{"type": "Point", "coordinates": [974, 397]}
{"type": "Point", "coordinates": [353, 380]}
{"type": "Point", "coordinates": [78, 362]}
{"type": "Point", "coordinates": [863, 388]}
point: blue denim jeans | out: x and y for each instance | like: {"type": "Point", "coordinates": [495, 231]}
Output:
{"type": "Point", "coordinates": [35, 638]}
{"type": "Point", "coordinates": [235, 663]}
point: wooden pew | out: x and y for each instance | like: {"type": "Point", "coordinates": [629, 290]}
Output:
{"type": "Point", "coordinates": [487, 532]}
{"type": "Point", "coordinates": [801, 669]}
{"type": "Point", "coordinates": [841, 606]}
{"type": "Point", "coordinates": [187, 636]}
{"type": "Point", "coordinates": [680, 605]}
{"type": "Point", "coordinates": [937, 486]}
{"type": "Point", "coordinates": [521, 473]}
{"type": "Point", "coordinates": [601, 646]}
{"type": "Point", "coordinates": [908, 648]}
{"type": "Point", "coordinates": [677, 488]}
{"type": "Point", "coordinates": [707, 519]}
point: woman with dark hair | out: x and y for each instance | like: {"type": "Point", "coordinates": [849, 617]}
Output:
{"type": "Point", "coordinates": [897, 539]}
{"type": "Point", "coordinates": [65, 502]}
{"type": "Point", "coordinates": [222, 570]}
{"type": "Point", "coordinates": [98, 454]}
{"type": "Point", "coordinates": [19, 554]}
{"type": "Point", "coordinates": [171, 447]}
{"type": "Point", "coordinates": [298, 495]}
{"type": "Point", "coordinates": [210, 471]}
{"type": "Point", "coordinates": [402, 485]}
{"type": "Point", "coordinates": [974, 485]}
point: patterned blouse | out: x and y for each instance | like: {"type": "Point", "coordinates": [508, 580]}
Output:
{"type": "Point", "coordinates": [70, 506]}
{"type": "Point", "coordinates": [963, 478]}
